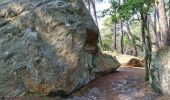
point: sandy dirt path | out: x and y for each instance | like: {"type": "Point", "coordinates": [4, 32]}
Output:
{"type": "Point", "coordinates": [125, 84]}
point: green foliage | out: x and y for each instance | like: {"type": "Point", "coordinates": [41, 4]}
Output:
{"type": "Point", "coordinates": [108, 22]}
{"type": "Point", "coordinates": [123, 12]}
{"type": "Point", "coordinates": [107, 44]}
{"type": "Point", "coordinates": [126, 40]}
{"type": "Point", "coordinates": [136, 30]}
{"type": "Point", "coordinates": [129, 8]}
{"type": "Point", "coordinates": [108, 38]}
{"type": "Point", "coordinates": [106, 33]}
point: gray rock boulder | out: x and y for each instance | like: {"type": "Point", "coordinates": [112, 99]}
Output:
{"type": "Point", "coordinates": [160, 71]}
{"type": "Point", "coordinates": [48, 47]}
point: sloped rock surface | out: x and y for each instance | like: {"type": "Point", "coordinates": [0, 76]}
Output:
{"type": "Point", "coordinates": [48, 47]}
{"type": "Point", "coordinates": [160, 71]}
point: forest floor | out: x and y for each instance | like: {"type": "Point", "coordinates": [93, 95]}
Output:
{"type": "Point", "coordinates": [127, 83]}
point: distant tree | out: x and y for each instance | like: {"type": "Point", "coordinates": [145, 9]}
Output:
{"type": "Point", "coordinates": [154, 27]}
{"type": "Point", "coordinates": [121, 32]}
{"type": "Point", "coordinates": [131, 39]}
{"type": "Point", "coordinates": [122, 38]}
{"type": "Point", "coordinates": [115, 37]}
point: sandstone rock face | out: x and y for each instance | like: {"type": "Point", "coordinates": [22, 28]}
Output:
{"type": "Point", "coordinates": [48, 47]}
{"type": "Point", "coordinates": [160, 71]}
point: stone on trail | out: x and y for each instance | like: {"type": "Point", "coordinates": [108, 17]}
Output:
{"type": "Point", "coordinates": [134, 62]}
{"type": "Point", "coordinates": [123, 81]}
{"type": "Point", "coordinates": [48, 47]}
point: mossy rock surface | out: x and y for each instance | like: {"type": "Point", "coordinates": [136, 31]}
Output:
{"type": "Point", "coordinates": [46, 46]}
{"type": "Point", "coordinates": [160, 71]}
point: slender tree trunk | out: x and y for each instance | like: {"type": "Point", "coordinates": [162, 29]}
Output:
{"type": "Point", "coordinates": [169, 15]}
{"type": "Point", "coordinates": [122, 38]}
{"type": "Point", "coordinates": [115, 37]}
{"type": "Point", "coordinates": [126, 47]}
{"type": "Point", "coordinates": [155, 21]}
{"type": "Point", "coordinates": [94, 11]}
{"type": "Point", "coordinates": [122, 34]}
{"type": "Point", "coordinates": [164, 24]}
{"type": "Point", "coordinates": [149, 49]}
{"type": "Point", "coordinates": [159, 31]}
{"type": "Point", "coordinates": [147, 44]}
{"type": "Point", "coordinates": [131, 39]}
{"type": "Point", "coordinates": [153, 28]}
{"type": "Point", "coordinates": [143, 27]}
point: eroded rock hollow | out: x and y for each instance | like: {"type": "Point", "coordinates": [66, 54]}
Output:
{"type": "Point", "coordinates": [48, 47]}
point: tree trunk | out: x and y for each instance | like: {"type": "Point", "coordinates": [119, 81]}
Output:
{"type": "Point", "coordinates": [122, 38]}
{"type": "Point", "coordinates": [115, 37]}
{"type": "Point", "coordinates": [159, 31]}
{"type": "Point", "coordinates": [164, 24]}
{"type": "Point", "coordinates": [149, 49]}
{"type": "Point", "coordinates": [153, 28]}
{"type": "Point", "coordinates": [169, 16]}
{"type": "Point", "coordinates": [121, 34]}
{"type": "Point", "coordinates": [131, 39]}
{"type": "Point", "coordinates": [88, 2]}
{"type": "Point", "coordinates": [143, 27]}
{"type": "Point", "coordinates": [94, 11]}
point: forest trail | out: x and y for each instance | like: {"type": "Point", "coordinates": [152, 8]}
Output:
{"type": "Point", "coordinates": [127, 83]}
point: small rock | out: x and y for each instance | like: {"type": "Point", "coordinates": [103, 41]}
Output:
{"type": "Point", "coordinates": [123, 81]}
{"type": "Point", "coordinates": [113, 84]}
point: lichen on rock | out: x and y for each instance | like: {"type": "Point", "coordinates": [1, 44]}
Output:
{"type": "Point", "coordinates": [160, 71]}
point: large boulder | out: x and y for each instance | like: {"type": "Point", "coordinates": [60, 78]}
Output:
{"type": "Point", "coordinates": [160, 71]}
{"type": "Point", "coordinates": [48, 47]}
{"type": "Point", "coordinates": [135, 62]}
